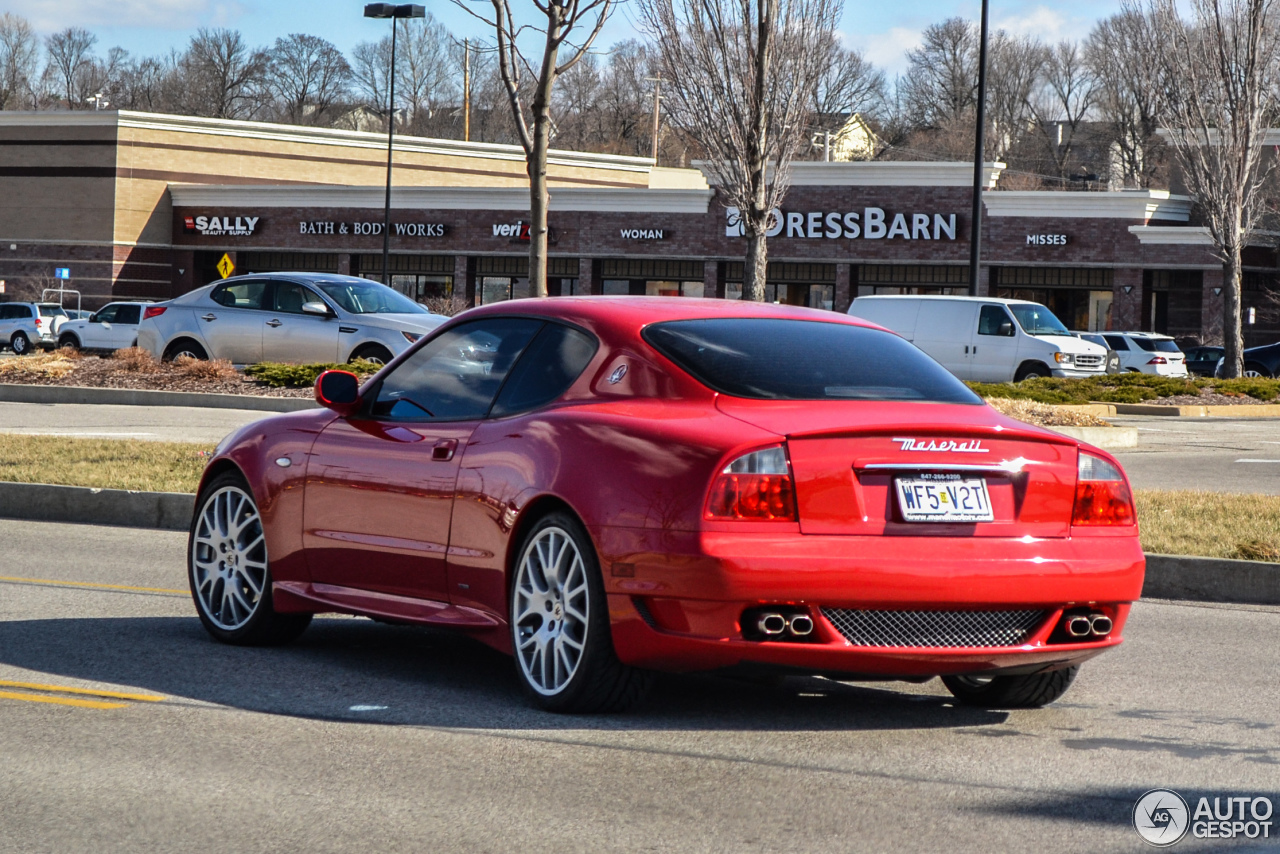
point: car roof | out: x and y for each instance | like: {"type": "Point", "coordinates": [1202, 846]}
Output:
{"type": "Point", "coordinates": [295, 274]}
{"type": "Point", "coordinates": [932, 297]}
{"type": "Point", "coordinates": [1142, 334]}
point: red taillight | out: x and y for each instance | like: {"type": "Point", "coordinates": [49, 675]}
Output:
{"type": "Point", "coordinates": [755, 487]}
{"type": "Point", "coordinates": [1102, 496]}
{"type": "Point", "coordinates": [153, 311]}
{"type": "Point", "coordinates": [1158, 360]}
{"type": "Point", "coordinates": [39, 323]}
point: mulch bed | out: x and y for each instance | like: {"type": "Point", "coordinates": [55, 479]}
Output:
{"type": "Point", "coordinates": [96, 372]}
{"type": "Point", "coordinates": [1208, 398]}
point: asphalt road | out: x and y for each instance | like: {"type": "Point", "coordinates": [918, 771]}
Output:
{"type": "Point", "coordinates": [364, 737]}
{"type": "Point", "coordinates": [149, 423]}
{"type": "Point", "coordinates": [1213, 454]}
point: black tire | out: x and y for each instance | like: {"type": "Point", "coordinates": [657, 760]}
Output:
{"type": "Point", "coordinates": [371, 353]}
{"type": "Point", "coordinates": [69, 340]}
{"type": "Point", "coordinates": [262, 626]}
{"type": "Point", "coordinates": [20, 344]}
{"type": "Point", "coordinates": [599, 681]}
{"type": "Point", "coordinates": [1257, 369]}
{"type": "Point", "coordinates": [1032, 370]}
{"type": "Point", "coordinates": [184, 347]}
{"type": "Point", "coordinates": [1012, 692]}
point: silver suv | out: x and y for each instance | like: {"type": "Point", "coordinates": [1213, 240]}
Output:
{"type": "Point", "coordinates": [24, 325]}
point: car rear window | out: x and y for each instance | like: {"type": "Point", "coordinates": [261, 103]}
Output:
{"type": "Point", "coordinates": [52, 310]}
{"type": "Point", "coordinates": [783, 359]}
{"type": "Point", "coordinates": [1157, 345]}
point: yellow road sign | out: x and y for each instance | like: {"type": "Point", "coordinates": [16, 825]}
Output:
{"type": "Point", "coordinates": [225, 266]}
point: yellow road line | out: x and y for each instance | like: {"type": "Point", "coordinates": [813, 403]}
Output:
{"type": "Point", "coordinates": [63, 689]}
{"type": "Point", "coordinates": [92, 586]}
{"type": "Point", "coordinates": [60, 701]}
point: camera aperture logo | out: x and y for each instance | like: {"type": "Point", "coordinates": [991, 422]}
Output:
{"type": "Point", "coordinates": [1160, 817]}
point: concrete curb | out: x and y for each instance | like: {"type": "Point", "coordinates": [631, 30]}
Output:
{"type": "Point", "coordinates": [20, 393]}
{"type": "Point", "coordinates": [1111, 438]}
{"type": "Point", "coordinates": [1208, 579]}
{"type": "Point", "coordinates": [43, 502]}
{"type": "Point", "coordinates": [1244, 410]}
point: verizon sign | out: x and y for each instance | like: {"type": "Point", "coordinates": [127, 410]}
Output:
{"type": "Point", "coordinates": [866, 224]}
{"type": "Point", "coordinates": [221, 226]}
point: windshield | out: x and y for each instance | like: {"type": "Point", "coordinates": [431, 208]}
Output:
{"type": "Point", "coordinates": [1157, 345]}
{"type": "Point", "coordinates": [369, 298]}
{"type": "Point", "coordinates": [1037, 320]}
{"type": "Point", "coordinates": [779, 359]}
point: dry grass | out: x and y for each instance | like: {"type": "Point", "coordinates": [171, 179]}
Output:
{"type": "Point", "coordinates": [1044, 415]}
{"type": "Point", "coordinates": [201, 369]}
{"type": "Point", "coordinates": [135, 360]}
{"type": "Point", "coordinates": [58, 363]}
{"type": "Point", "coordinates": [1210, 524]}
{"type": "Point", "coordinates": [102, 463]}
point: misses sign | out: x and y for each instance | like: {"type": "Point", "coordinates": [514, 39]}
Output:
{"type": "Point", "coordinates": [867, 224]}
{"type": "Point", "coordinates": [222, 226]}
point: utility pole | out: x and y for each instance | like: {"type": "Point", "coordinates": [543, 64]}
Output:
{"type": "Point", "coordinates": [975, 236]}
{"type": "Point", "coordinates": [466, 90]}
{"type": "Point", "coordinates": [657, 96]}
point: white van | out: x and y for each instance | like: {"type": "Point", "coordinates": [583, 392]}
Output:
{"type": "Point", "coordinates": [985, 339]}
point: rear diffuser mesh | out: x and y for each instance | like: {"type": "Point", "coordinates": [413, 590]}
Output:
{"type": "Point", "coordinates": [934, 628]}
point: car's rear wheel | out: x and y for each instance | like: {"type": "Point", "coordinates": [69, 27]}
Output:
{"type": "Point", "coordinates": [69, 340]}
{"type": "Point", "coordinates": [20, 344]}
{"type": "Point", "coordinates": [1255, 370]}
{"type": "Point", "coordinates": [228, 569]}
{"type": "Point", "coordinates": [375, 353]}
{"type": "Point", "coordinates": [1011, 692]}
{"type": "Point", "coordinates": [560, 624]}
{"type": "Point", "coordinates": [184, 347]}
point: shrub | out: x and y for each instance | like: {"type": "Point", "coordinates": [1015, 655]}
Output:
{"type": "Point", "coordinates": [135, 359]}
{"type": "Point", "coordinates": [281, 375]}
{"type": "Point", "coordinates": [1263, 550]}
{"type": "Point", "coordinates": [202, 369]}
{"type": "Point", "coordinates": [1122, 388]}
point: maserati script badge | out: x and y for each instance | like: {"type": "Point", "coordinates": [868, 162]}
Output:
{"type": "Point", "coordinates": [973, 446]}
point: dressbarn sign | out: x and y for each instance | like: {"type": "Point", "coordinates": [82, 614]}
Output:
{"type": "Point", "coordinates": [867, 224]}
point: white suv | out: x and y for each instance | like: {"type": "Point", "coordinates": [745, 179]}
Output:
{"type": "Point", "coordinates": [1148, 353]}
{"type": "Point", "coordinates": [112, 327]}
{"type": "Point", "coordinates": [24, 325]}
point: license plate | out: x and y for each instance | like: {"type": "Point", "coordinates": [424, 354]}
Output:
{"type": "Point", "coordinates": [944, 498]}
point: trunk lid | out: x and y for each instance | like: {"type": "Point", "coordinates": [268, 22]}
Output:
{"type": "Point", "coordinates": [847, 455]}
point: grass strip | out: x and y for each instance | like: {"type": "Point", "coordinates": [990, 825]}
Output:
{"type": "Point", "coordinates": [1123, 388]}
{"type": "Point", "coordinates": [1209, 524]}
{"type": "Point", "coordinates": [102, 463]}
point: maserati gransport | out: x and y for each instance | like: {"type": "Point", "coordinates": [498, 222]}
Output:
{"type": "Point", "coordinates": [607, 487]}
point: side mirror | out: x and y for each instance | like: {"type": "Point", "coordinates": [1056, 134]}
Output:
{"type": "Point", "coordinates": [93, 318]}
{"type": "Point", "coordinates": [316, 308]}
{"type": "Point", "coordinates": [339, 391]}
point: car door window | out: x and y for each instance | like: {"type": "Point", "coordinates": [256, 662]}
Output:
{"type": "Point", "coordinates": [290, 297]}
{"type": "Point", "coordinates": [247, 294]}
{"type": "Point", "coordinates": [456, 375]}
{"type": "Point", "coordinates": [8, 312]}
{"type": "Point", "coordinates": [130, 314]}
{"type": "Point", "coordinates": [994, 320]}
{"type": "Point", "coordinates": [548, 367]}
{"type": "Point", "coordinates": [106, 315]}
{"type": "Point", "coordinates": [1117, 342]}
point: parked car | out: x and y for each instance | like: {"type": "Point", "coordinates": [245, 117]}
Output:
{"type": "Point", "coordinates": [986, 339]}
{"type": "Point", "coordinates": [1202, 361]}
{"type": "Point", "coordinates": [1113, 358]}
{"type": "Point", "coordinates": [286, 317]}
{"type": "Point", "coordinates": [1148, 353]}
{"type": "Point", "coordinates": [24, 325]}
{"type": "Point", "coordinates": [1261, 361]}
{"type": "Point", "coordinates": [111, 327]}
{"type": "Point", "coordinates": [631, 484]}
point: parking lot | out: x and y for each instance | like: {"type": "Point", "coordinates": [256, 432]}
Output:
{"type": "Point", "coordinates": [372, 737]}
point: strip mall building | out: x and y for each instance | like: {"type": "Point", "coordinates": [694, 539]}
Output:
{"type": "Point", "coordinates": [145, 206]}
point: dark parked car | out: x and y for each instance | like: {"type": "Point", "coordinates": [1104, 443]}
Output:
{"type": "Point", "coordinates": [1261, 361]}
{"type": "Point", "coordinates": [1202, 361]}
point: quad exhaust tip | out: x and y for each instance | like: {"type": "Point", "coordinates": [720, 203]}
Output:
{"type": "Point", "coordinates": [1087, 625]}
{"type": "Point", "coordinates": [801, 625]}
{"type": "Point", "coordinates": [771, 624]}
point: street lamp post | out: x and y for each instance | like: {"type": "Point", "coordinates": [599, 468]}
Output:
{"type": "Point", "coordinates": [975, 236]}
{"type": "Point", "coordinates": [392, 11]}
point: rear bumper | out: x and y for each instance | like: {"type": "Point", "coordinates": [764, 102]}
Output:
{"type": "Point", "coordinates": [676, 599]}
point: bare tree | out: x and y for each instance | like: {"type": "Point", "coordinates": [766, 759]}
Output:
{"type": "Point", "coordinates": [1223, 73]}
{"type": "Point", "coordinates": [69, 50]}
{"type": "Point", "coordinates": [849, 83]}
{"type": "Point", "coordinates": [1015, 65]}
{"type": "Point", "coordinates": [370, 62]}
{"type": "Point", "coordinates": [1063, 101]}
{"type": "Point", "coordinates": [942, 77]}
{"type": "Point", "coordinates": [306, 75]}
{"type": "Point", "coordinates": [19, 52]}
{"type": "Point", "coordinates": [426, 73]}
{"type": "Point", "coordinates": [559, 24]}
{"type": "Point", "coordinates": [738, 78]}
{"type": "Point", "coordinates": [221, 75]}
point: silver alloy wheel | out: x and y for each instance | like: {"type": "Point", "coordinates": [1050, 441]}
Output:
{"type": "Point", "coordinates": [551, 610]}
{"type": "Point", "coordinates": [229, 558]}
{"type": "Point", "coordinates": [1249, 373]}
{"type": "Point", "coordinates": [20, 344]}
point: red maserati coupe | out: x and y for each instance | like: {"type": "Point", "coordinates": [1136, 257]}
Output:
{"type": "Point", "coordinates": [606, 487]}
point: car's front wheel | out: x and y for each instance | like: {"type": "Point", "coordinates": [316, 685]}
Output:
{"type": "Point", "coordinates": [560, 624]}
{"type": "Point", "coordinates": [69, 340]}
{"type": "Point", "coordinates": [228, 569]}
{"type": "Point", "coordinates": [1011, 692]}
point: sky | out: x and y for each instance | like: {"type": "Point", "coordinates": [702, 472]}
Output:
{"type": "Point", "coordinates": [883, 31]}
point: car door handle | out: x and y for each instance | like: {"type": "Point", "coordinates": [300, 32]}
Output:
{"type": "Point", "coordinates": [273, 322]}
{"type": "Point", "coordinates": [443, 450]}
{"type": "Point", "coordinates": [210, 316]}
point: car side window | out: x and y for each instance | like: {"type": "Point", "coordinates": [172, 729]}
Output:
{"type": "Point", "coordinates": [247, 294]}
{"type": "Point", "coordinates": [548, 367]}
{"type": "Point", "coordinates": [6, 312]}
{"type": "Point", "coordinates": [457, 374]}
{"type": "Point", "coordinates": [290, 297]}
{"type": "Point", "coordinates": [1117, 342]}
{"type": "Point", "coordinates": [130, 314]}
{"type": "Point", "coordinates": [107, 314]}
{"type": "Point", "coordinates": [994, 320]}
